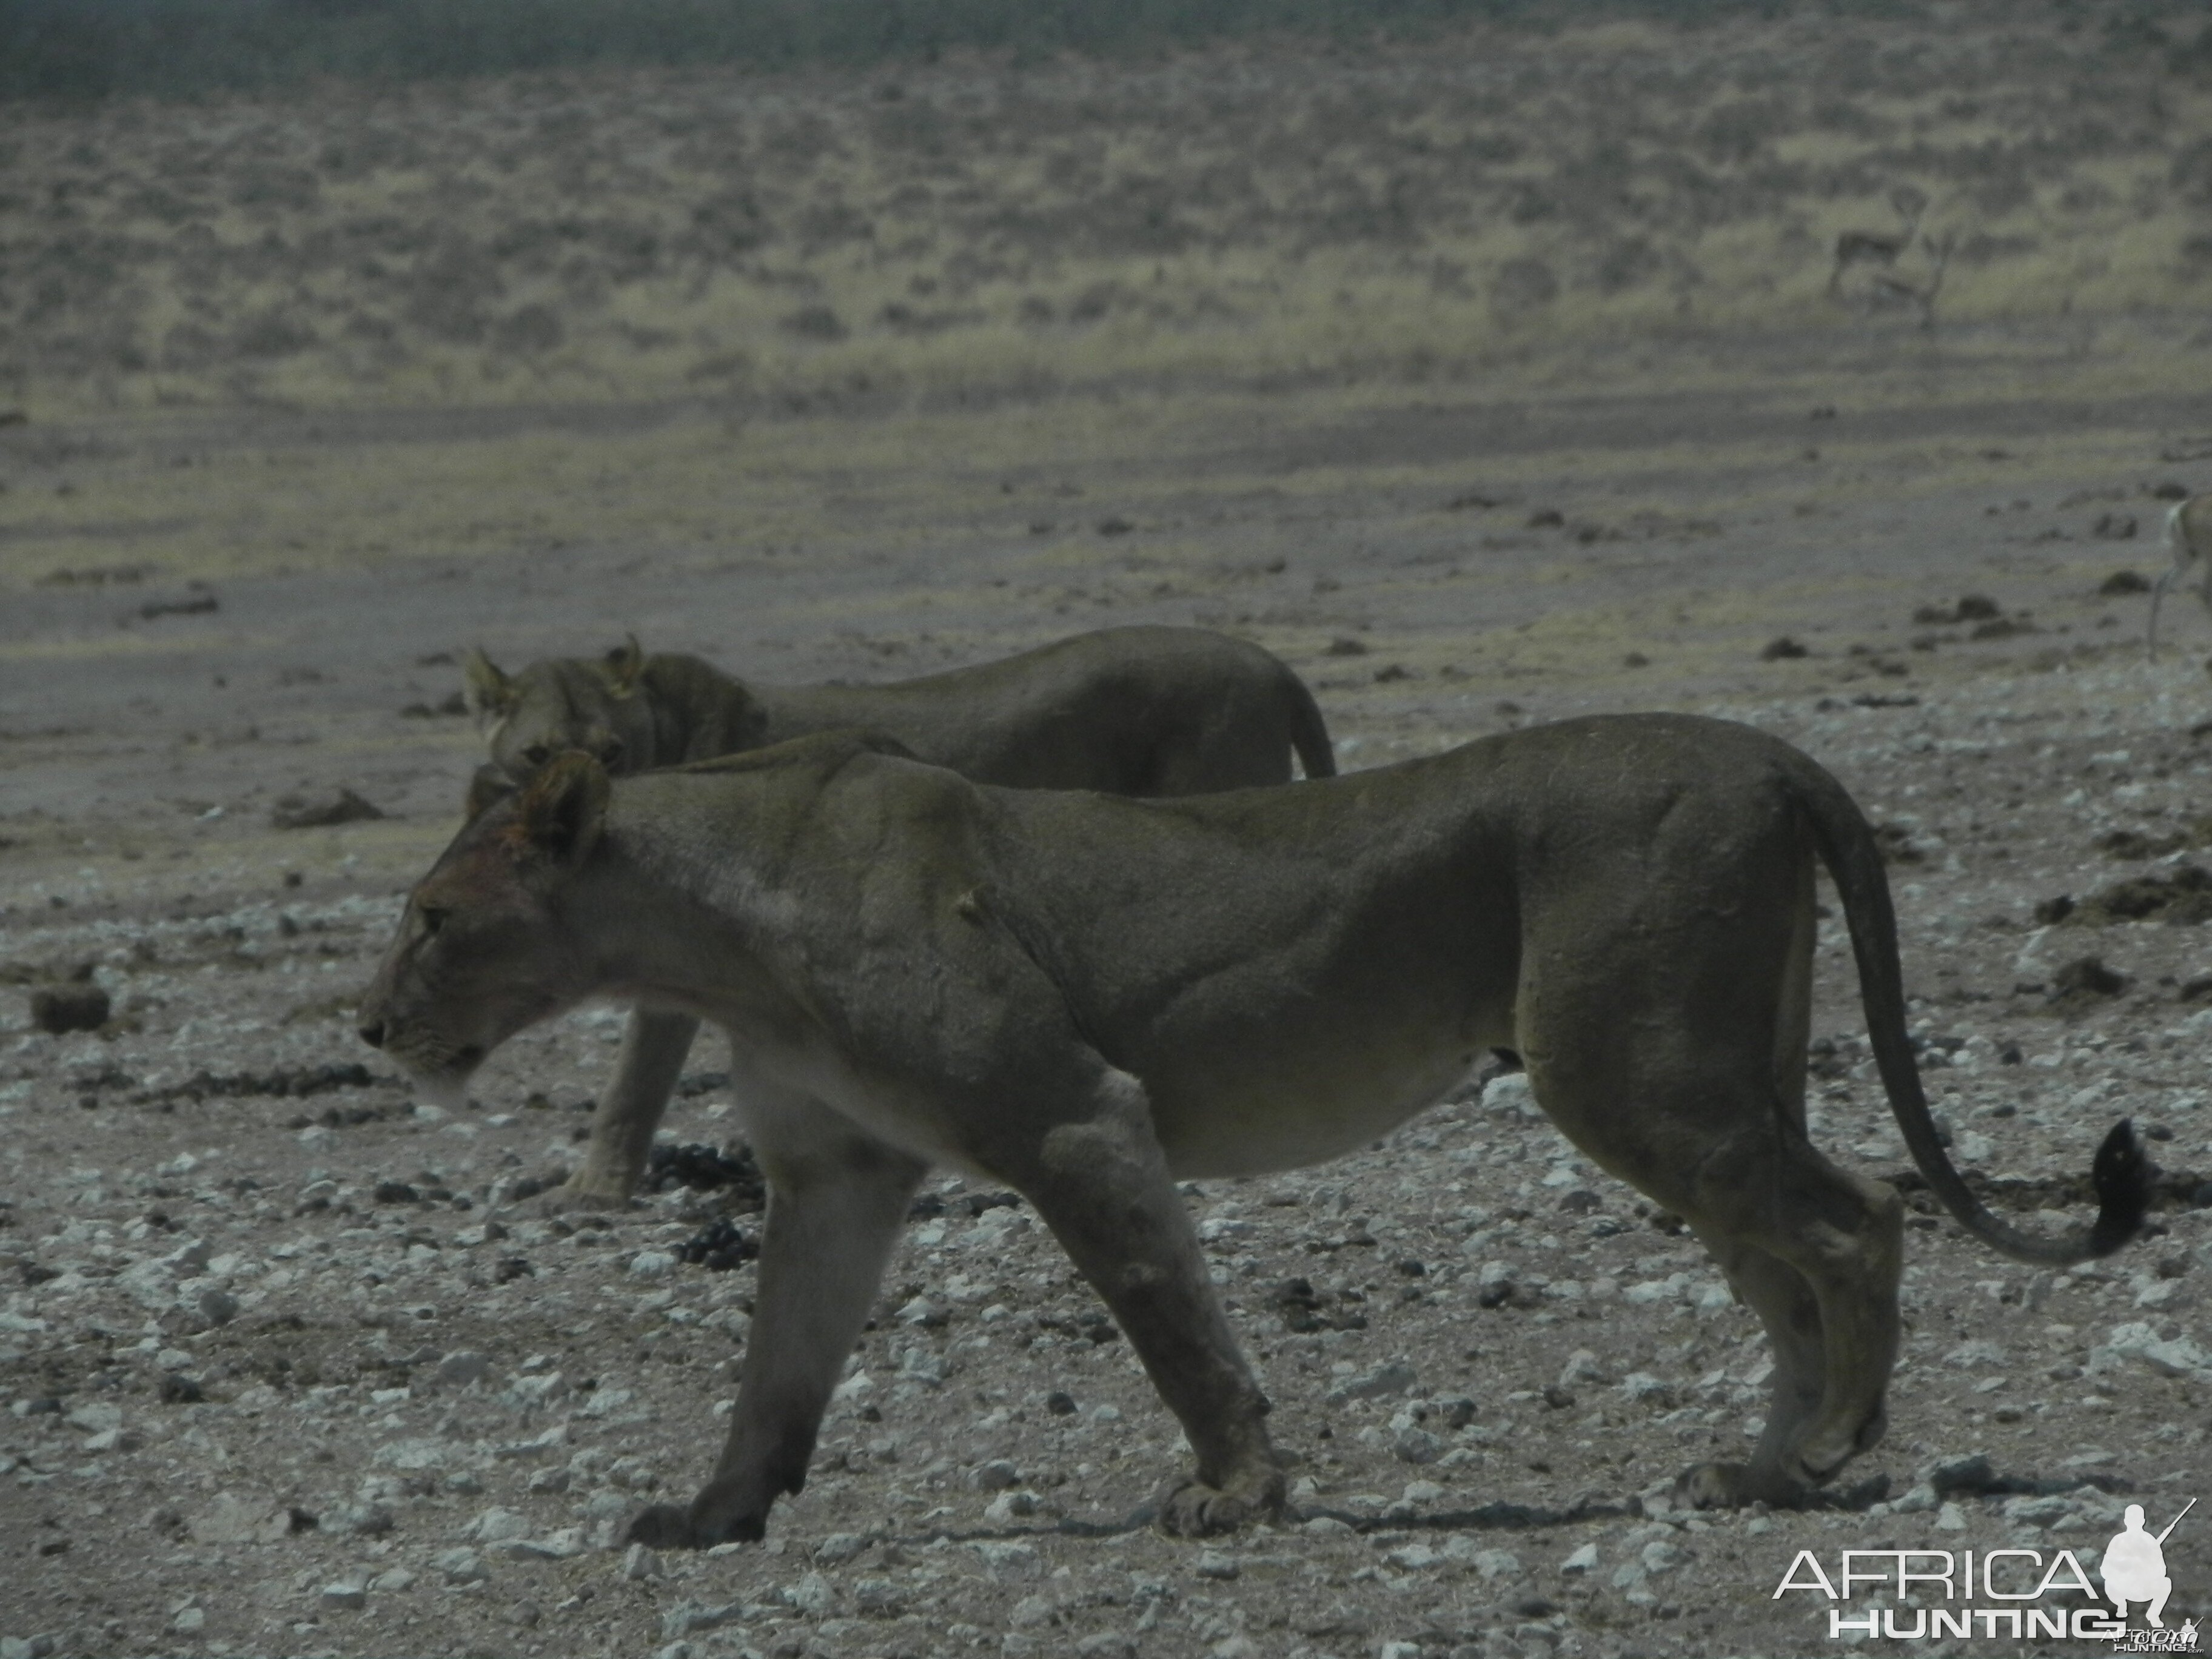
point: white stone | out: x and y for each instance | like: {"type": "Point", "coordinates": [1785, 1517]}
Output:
{"type": "Point", "coordinates": [412, 1453]}
{"type": "Point", "coordinates": [460, 1369]}
{"type": "Point", "coordinates": [1011, 1563]}
{"type": "Point", "coordinates": [996, 1475]}
{"type": "Point", "coordinates": [1416, 1446]}
{"type": "Point", "coordinates": [1496, 1564]}
{"type": "Point", "coordinates": [1582, 1366]}
{"type": "Point", "coordinates": [1394, 1378]}
{"type": "Point", "coordinates": [95, 1416]}
{"type": "Point", "coordinates": [496, 1525]}
{"type": "Point", "coordinates": [1918, 1500]}
{"type": "Point", "coordinates": [1012, 1505]}
{"type": "Point", "coordinates": [604, 1402]}
{"type": "Point", "coordinates": [810, 1595]}
{"type": "Point", "coordinates": [2177, 1357]}
{"type": "Point", "coordinates": [879, 1597]}
{"type": "Point", "coordinates": [1978, 1352]}
{"type": "Point", "coordinates": [1509, 1093]}
{"type": "Point", "coordinates": [2163, 1293]}
{"type": "Point", "coordinates": [838, 1548]}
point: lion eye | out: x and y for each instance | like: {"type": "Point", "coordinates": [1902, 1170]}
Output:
{"type": "Point", "coordinates": [538, 754]}
{"type": "Point", "coordinates": [432, 920]}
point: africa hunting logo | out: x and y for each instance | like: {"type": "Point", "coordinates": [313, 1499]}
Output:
{"type": "Point", "coordinates": [2132, 1567]}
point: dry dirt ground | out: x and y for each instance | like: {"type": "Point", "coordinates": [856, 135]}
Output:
{"type": "Point", "coordinates": [294, 1364]}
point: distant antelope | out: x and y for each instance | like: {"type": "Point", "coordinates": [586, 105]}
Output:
{"type": "Point", "coordinates": [1921, 296]}
{"type": "Point", "coordinates": [1871, 247]}
{"type": "Point", "coordinates": [2189, 544]}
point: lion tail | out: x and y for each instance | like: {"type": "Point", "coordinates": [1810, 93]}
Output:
{"type": "Point", "coordinates": [1308, 732]}
{"type": "Point", "coordinates": [2119, 1175]}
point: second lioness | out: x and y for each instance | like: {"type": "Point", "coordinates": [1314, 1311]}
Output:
{"type": "Point", "coordinates": [1129, 711]}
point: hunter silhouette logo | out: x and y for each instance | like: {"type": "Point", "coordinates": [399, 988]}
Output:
{"type": "Point", "coordinates": [2134, 1567]}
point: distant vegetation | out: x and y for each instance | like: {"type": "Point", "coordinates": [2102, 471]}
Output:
{"type": "Point", "coordinates": [95, 48]}
{"type": "Point", "coordinates": [1437, 201]}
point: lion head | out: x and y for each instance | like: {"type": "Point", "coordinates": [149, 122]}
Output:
{"type": "Point", "coordinates": [484, 947]}
{"type": "Point", "coordinates": [564, 703]}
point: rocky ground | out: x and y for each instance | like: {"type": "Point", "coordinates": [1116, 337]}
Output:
{"type": "Point", "coordinates": [293, 1364]}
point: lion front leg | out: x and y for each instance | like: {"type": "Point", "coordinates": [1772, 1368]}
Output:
{"type": "Point", "coordinates": [653, 1047]}
{"type": "Point", "coordinates": [1102, 1185]}
{"type": "Point", "coordinates": [836, 1201]}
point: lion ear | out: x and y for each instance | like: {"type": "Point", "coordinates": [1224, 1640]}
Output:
{"type": "Point", "coordinates": [487, 789]}
{"type": "Point", "coordinates": [623, 665]}
{"type": "Point", "coordinates": [563, 807]}
{"type": "Point", "coordinates": [487, 692]}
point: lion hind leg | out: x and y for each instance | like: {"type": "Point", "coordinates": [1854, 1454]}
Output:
{"type": "Point", "coordinates": [837, 1198]}
{"type": "Point", "coordinates": [1786, 1306]}
{"type": "Point", "coordinates": [1843, 1237]}
{"type": "Point", "coordinates": [1102, 1184]}
{"type": "Point", "coordinates": [1236, 748]}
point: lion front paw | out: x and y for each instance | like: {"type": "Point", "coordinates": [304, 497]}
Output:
{"type": "Point", "coordinates": [1190, 1508]}
{"type": "Point", "coordinates": [663, 1527]}
{"type": "Point", "coordinates": [1731, 1485]}
{"type": "Point", "coordinates": [677, 1527]}
{"type": "Point", "coordinates": [578, 1193]}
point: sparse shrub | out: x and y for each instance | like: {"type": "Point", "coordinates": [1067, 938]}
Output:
{"type": "Point", "coordinates": [1522, 285]}
{"type": "Point", "coordinates": [1736, 133]}
{"type": "Point", "coordinates": [1094, 302]}
{"type": "Point", "coordinates": [1627, 264]}
{"type": "Point", "coordinates": [813, 323]}
{"type": "Point", "coordinates": [272, 334]}
{"type": "Point", "coordinates": [532, 329]}
{"type": "Point", "coordinates": [728, 223]}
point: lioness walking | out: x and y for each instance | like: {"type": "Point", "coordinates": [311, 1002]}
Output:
{"type": "Point", "coordinates": [1088, 999]}
{"type": "Point", "coordinates": [1132, 711]}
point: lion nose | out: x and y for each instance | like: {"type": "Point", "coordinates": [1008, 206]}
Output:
{"type": "Point", "coordinates": [372, 1032]}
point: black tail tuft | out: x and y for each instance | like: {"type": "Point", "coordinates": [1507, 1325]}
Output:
{"type": "Point", "coordinates": [2122, 1178]}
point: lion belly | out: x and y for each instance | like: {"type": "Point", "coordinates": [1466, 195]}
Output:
{"type": "Point", "coordinates": [1281, 1118]}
